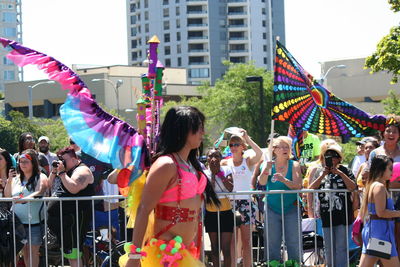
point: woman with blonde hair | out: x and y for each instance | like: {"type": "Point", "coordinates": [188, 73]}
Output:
{"type": "Point", "coordinates": [378, 212]}
{"type": "Point", "coordinates": [282, 174]}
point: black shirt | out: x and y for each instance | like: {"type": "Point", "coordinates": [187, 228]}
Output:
{"type": "Point", "coordinates": [338, 199]}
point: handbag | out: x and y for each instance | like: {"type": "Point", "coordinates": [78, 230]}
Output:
{"type": "Point", "coordinates": [356, 235]}
{"type": "Point", "coordinates": [225, 203]}
{"type": "Point", "coordinates": [379, 248]}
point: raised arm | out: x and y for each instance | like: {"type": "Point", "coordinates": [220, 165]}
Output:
{"type": "Point", "coordinates": [79, 180]}
{"type": "Point", "coordinates": [252, 160]}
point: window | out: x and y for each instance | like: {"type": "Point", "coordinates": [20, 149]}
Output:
{"type": "Point", "coordinates": [166, 12]}
{"type": "Point", "coordinates": [167, 38]}
{"type": "Point", "coordinates": [133, 19]}
{"type": "Point", "coordinates": [146, 3]}
{"type": "Point", "coordinates": [146, 27]}
{"type": "Point", "coordinates": [133, 43]}
{"type": "Point", "coordinates": [134, 56]}
{"type": "Point", "coordinates": [264, 48]}
{"type": "Point", "coordinates": [146, 15]}
{"type": "Point", "coordinates": [167, 50]}
{"type": "Point", "coordinates": [7, 61]}
{"type": "Point", "coordinates": [176, 1]}
{"type": "Point", "coordinates": [178, 36]}
{"type": "Point", "coordinates": [10, 32]}
{"type": "Point", "coordinates": [179, 61]}
{"type": "Point", "coordinates": [167, 62]}
{"type": "Point", "coordinates": [178, 49]}
{"type": "Point", "coordinates": [9, 75]}
{"type": "Point", "coordinates": [198, 73]}
{"type": "Point", "coordinates": [264, 23]}
{"type": "Point", "coordinates": [264, 35]}
{"type": "Point", "coordinates": [166, 25]}
{"type": "Point", "coordinates": [139, 29]}
{"type": "Point", "coordinates": [133, 7]}
{"type": "Point", "coordinates": [138, 17]}
{"type": "Point", "coordinates": [178, 23]}
{"type": "Point", "coordinates": [265, 60]}
{"type": "Point", "coordinates": [9, 17]}
{"type": "Point", "coordinates": [133, 31]}
{"type": "Point", "coordinates": [263, 11]}
{"type": "Point", "coordinates": [165, 2]}
{"type": "Point", "coordinates": [177, 11]}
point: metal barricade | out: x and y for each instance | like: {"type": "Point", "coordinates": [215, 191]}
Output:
{"type": "Point", "coordinates": [100, 245]}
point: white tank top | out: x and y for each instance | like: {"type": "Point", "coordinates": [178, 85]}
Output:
{"type": "Point", "coordinates": [241, 178]}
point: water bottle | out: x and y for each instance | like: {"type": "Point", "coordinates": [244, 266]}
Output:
{"type": "Point", "coordinates": [273, 179]}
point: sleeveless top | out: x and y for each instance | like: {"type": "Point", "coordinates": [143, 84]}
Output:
{"type": "Point", "coordinates": [241, 178]}
{"type": "Point", "coordinates": [274, 200]}
{"type": "Point", "coordinates": [22, 210]}
{"type": "Point", "coordinates": [191, 185]}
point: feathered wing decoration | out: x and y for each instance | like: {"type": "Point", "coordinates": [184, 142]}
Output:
{"type": "Point", "coordinates": [98, 133]}
{"type": "Point", "coordinates": [299, 100]}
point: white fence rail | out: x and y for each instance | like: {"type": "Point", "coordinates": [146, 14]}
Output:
{"type": "Point", "coordinates": [102, 248]}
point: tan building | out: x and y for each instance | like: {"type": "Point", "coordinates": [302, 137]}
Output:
{"type": "Point", "coordinates": [47, 98]}
{"type": "Point", "coordinates": [356, 85]}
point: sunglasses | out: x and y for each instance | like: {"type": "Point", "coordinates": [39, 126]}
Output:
{"type": "Point", "coordinates": [235, 145]}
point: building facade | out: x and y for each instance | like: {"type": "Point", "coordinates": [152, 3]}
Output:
{"type": "Point", "coordinates": [200, 34]}
{"type": "Point", "coordinates": [47, 98]}
{"type": "Point", "coordinates": [357, 85]}
{"type": "Point", "coordinates": [11, 28]}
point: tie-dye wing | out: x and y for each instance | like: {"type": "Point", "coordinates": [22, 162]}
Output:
{"type": "Point", "coordinates": [98, 133]}
{"type": "Point", "coordinates": [305, 104]}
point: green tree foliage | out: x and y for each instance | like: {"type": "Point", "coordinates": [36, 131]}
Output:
{"type": "Point", "coordinates": [394, 5]}
{"type": "Point", "coordinates": [391, 105]}
{"type": "Point", "coordinates": [11, 130]}
{"type": "Point", "coordinates": [387, 55]}
{"type": "Point", "coordinates": [235, 102]}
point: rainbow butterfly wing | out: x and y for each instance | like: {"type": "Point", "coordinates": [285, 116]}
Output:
{"type": "Point", "coordinates": [97, 132]}
{"type": "Point", "coordinates": [305, 104]}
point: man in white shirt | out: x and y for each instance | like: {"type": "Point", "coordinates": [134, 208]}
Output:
{"type": "Point", "coordinates": [44, 147]}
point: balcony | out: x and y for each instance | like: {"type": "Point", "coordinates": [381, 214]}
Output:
{"type": "Point", "coordinates": [237, 13]}
{"type": "Point", "coordinates": [198, 51]}
{"type": "Point", "coordinates": [197, 25]}
{"type": "Point", "coordinates": [235, 26]}
{"type": "Point", "coordinates": [196, 12]}
{"type": "Point", "coordinates": [236, 1]}
{"type": "Point", "coordinates": [197, 37]}
{"type": "Point", "coordinates": [199, 63]}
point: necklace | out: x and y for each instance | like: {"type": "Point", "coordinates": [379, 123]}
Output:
{"type": "Point", "coordinates": [184, 161]}
{"type": "Point", "coordinates": [390, 153]}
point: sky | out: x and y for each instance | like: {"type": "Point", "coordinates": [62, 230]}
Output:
{"type": "Point", "coordinates": [94, 32]}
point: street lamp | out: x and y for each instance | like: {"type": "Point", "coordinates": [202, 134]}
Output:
{"type": "Point", "coordinates": [115, 87]}
{"type": "Point", "coordinates": [259, 79]}
{"type": "Point", "coordinates": [30, 88]}
{"type": "Point", "coordinates": [323, 77]}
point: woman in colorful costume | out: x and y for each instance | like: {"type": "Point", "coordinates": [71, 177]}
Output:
{"type": "Point", "coordinates": [172, 195]}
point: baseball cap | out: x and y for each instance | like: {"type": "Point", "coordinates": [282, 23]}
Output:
{"type": "Point", "coordinates": [44, 138]}
{"type": "Point", "coordinates": [365, 140]}
{"type": "Point", "coordinates": [335, 148]}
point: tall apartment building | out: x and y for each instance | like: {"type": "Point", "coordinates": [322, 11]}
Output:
{"type": "Point", "coordinates": [10, 28]}
{"type": "Point", "coordinates": [200, 34]}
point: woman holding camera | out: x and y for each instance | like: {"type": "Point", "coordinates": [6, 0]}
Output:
{"type": "Point", "coordinates": [335, 207]}
{"type": "Point", "coordinates": [28, 184]}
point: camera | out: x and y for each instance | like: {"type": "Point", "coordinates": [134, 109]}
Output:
{"type": "Point", "coordinates": [55, 163]}
{"type": "Point", "coordinates": [328, 162]}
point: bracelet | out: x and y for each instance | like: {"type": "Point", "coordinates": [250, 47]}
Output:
{"type": "Point", "coordinates": [134, 252]}
{"type": "Point", "coordinates": [61, 172]}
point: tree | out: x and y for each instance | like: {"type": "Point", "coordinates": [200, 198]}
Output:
{"type": "Point", "coordinates": [391, 105]}
{"type": "Point", "coordinates": [235, 102]}
{"type": "Point", "coordinates": [387, 55]}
